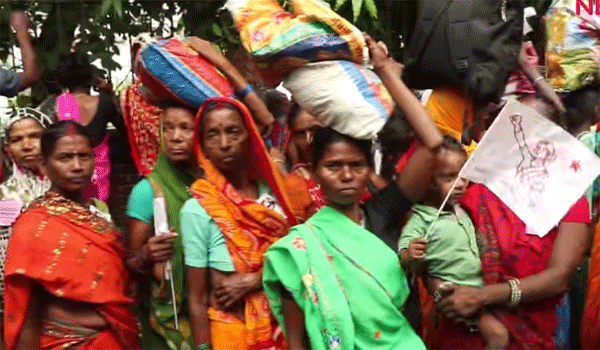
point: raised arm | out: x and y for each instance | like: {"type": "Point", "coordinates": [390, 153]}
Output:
{"type": "Point", "coordinates": [31, 71]}
{"type": "Point", "coordinates": [415, 176]}
{"type": "Point", "coordinates": [251, 99]}
{"type": "Point", "coordinates": [538, 81]}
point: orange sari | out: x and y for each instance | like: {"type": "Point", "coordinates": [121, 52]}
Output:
{"type": "Point", "coordinates": [249, 230]}
{"type": "Point", "coordinates": [74, 254]}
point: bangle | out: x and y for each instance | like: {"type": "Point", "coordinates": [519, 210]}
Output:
{"type": "Point", "coordinates": [245, 91]}
{"type": "Point", "coordinates": [535, 81]}
{"type": "Point", "coordinates": [203, 346]}
{"type": "Point", "coordinates": [515, 292]}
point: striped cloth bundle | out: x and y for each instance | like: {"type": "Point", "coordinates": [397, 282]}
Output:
{"type": "Point", "coordinates": [343, 95]}
{"type": "Point", "coordinates": [171, 71]}
{"type": "Point", "coordinates": [280, 41]}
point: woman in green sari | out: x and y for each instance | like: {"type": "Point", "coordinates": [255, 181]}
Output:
{"type": "Point", "coordinates": [175, 170]}
{"type": "Point", "coordinates": [335, 282]}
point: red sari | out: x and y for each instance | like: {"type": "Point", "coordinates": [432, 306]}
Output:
{"type": "Point", "coordinates": [507, 252]}
{"type": "Point", "coordinates": [74, 254]}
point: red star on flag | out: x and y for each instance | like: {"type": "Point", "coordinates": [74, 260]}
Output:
{"type": "Point", "coordinates": [575, 166]}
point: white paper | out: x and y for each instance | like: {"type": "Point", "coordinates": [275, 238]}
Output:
{"type": "Point", "coordinates": [534, 166]}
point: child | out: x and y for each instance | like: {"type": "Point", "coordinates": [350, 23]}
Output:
{"type": "Point", "coordinates": [447, 247]}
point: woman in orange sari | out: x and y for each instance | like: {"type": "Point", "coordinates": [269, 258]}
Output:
{"type": "Point", "coordinates": [237, 211]}
{"type": "Point", "coordinates": [66, 282]}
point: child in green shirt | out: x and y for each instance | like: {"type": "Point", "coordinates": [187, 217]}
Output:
{"type": "Point", "coordinates": [446, 246]}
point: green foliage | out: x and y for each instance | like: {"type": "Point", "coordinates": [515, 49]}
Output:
{"type": "Point", "coordinates": [98, 25]}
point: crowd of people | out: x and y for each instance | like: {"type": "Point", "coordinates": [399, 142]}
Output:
{"type": "Point", "coordinates": [259, 227]}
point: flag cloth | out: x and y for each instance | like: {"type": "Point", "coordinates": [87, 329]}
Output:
{"type": "Point", "coordinates": [534, 166]}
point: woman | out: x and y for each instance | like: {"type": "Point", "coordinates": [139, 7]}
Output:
{"type": "Point", "coordinates": [311, 275]}
{"type": "Point", "coordinates": [523, 271]}
{"type": "Point", "coordinates": [238, 209]}
{"type": "Point", "coordinates": [173, 174]}
{"type": "Point", "coordinates": [75, 73]}
{"type": "Point", "coordinates": [65, 282]}
{"type": "Point", "coordinates": [21, 138]}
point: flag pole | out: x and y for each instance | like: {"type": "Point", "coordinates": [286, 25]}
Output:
{"type": "Point", "coordinates": [439, 211]}
{"type": "Point", "coordinates": [170, 273]}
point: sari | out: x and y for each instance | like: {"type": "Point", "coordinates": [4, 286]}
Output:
{"type": "Point", "coordinates": [75, 254]}
{"type": "Point", "coordinates": [142, 124]}
{"type": "Point", "coordinates": [171, 183]}
{"type": "Point", "coordinates": [508, 252]}
{"type": "Point", "coordinates": [319, 264]}
{"type": "Point", "coordinates": [67, 109]}
{"type": "Point", "coordinates": [249, 229]}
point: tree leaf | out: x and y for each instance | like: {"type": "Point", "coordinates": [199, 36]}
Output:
{"type": "Point", "coordinates": [371, 8]}
{"type": "Point", "coordinates": [217, 29]}
{"type": "Point", "coordinates": [338, 4]}
{"type": "Point", "coordinates": [106, 5]}
{"type": "Point", "coordinates": [356, 7]}
{"type": "Point", "coordinates": [118, 8]}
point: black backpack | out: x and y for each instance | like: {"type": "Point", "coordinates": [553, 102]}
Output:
{"type": "Point", "coordinates": [474, 44]}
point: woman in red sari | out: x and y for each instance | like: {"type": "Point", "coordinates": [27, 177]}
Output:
{"type": "Point", "coordinates": [524, 275]}
{"type": "Point", "coordinates": [65, 277]}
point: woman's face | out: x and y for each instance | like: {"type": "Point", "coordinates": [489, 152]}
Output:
{"type": "Point", "coordinates": [71, 164]}
{"type": "Point", "coordinates": [343, 173]}
{"type": "Point", "coordinates": [23, 143]}
{"type": "Point", "coordinates": [304, 127]}
{"type": "Point", "coordinates": [225, 140]}
{"type": "Point", "coordinates": [178, 133]}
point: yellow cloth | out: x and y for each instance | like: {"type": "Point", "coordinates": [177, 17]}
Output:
{"type": "Point", "coordinates": [450, 107]}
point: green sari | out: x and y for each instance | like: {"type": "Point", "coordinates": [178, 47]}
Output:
{"type": "Point", "coordinates": [172, 183]}
{"type": "Point", "coordinates": [347, 281]}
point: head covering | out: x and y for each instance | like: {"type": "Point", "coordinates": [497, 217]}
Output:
{"type": "Point", "coordinates": [449, 107]}
{"type": "Point", "coordinates": [23, 113]}
{"type": "Point", "coordinates": [248, 228]}
{"type": "Point", "coordinates": [261, 162]}
{"type": "Point", "coordinates": [141, 121]}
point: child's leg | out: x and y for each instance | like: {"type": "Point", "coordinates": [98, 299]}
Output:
{"type": "Point", "coordinates": [493, 331]}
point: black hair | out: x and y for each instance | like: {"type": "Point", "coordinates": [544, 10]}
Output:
{"type": "Point", "coordinates": [581, 107]}
{"type": "Point", "coordinates": [325, 136]}
{"type": "Point", "coordinates": [58, 130]}
{"type": "Point", "coordinates": [276, 102]}
{"type": "Point", "coordinates": [451, 144]}
{"type": "Point", "coordinates": [395, 138]}
{"type": "Point", "coordinates": [164, 105]}
{"type": "Point", "coordinates": [74, 70]}
{"type": "Point", "coordinates": [293, 114]}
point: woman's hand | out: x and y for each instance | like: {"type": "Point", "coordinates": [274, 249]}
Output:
{"type": "Point", "coordinates": [160, 248]}
{"type": "Point", "coordinates": [380, 58]}
{"type": "Point", "coordinates": [460, 301]}
{"type": "Point", "coordinates": [234, 287]}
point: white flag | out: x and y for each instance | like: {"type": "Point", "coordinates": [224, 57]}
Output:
{"type": "Point", "coordinates": [534, 166]}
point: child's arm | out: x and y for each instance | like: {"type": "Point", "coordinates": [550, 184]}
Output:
{"type": "Point", "coordinates": [414, 252]}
